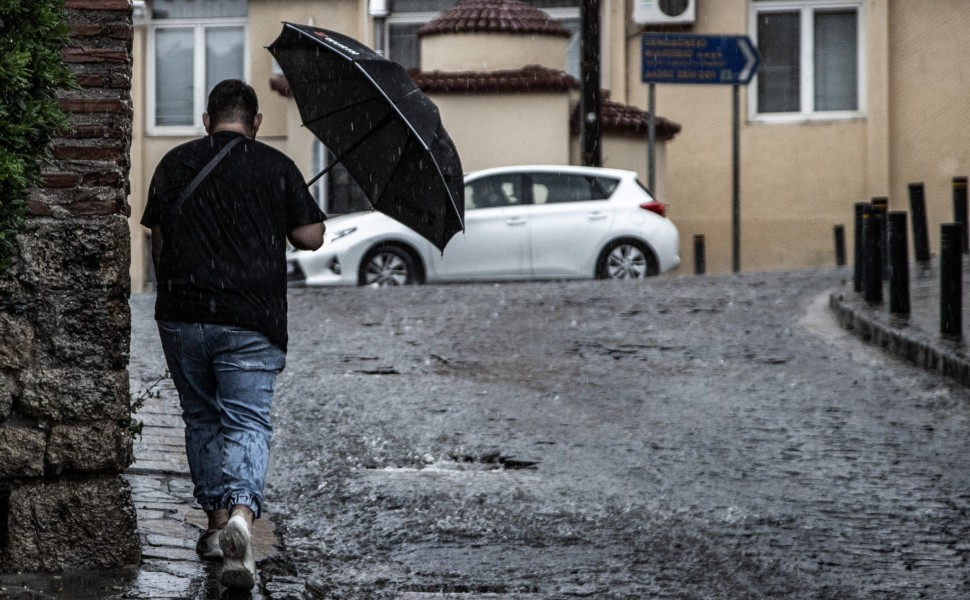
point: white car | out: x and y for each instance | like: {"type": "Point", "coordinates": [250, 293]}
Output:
{"type": "Point", "coordinates": [523, 222]}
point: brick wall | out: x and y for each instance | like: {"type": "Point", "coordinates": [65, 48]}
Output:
{"type": "Point", "coordinates": [65, 325]}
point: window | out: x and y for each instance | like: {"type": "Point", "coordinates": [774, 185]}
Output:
{"type": "Point", "coordinates": [494, 192]}
{"type": "Point", "coordinates": [336, 192]}
{"type": "Point", "coordinates": [191, 47]}
{"type": "Point", "coordinates": [811, 59]}
{"type": "Point", "coordinates": [403, 45]}
{"type": "Point", "coordinates": [549, 188]}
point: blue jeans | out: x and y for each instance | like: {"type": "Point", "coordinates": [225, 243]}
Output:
{"type": "Point", "coordinates": [225, 378]}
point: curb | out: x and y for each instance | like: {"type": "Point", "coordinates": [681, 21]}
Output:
{"type": "Point", "coordinates": [942, 355]}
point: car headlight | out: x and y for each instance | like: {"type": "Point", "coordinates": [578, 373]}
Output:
{"type": "Point", "coordinates": [339, 234]}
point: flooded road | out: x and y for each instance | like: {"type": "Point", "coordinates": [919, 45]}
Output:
{"type": "Point", "coordinates": [694, 437]}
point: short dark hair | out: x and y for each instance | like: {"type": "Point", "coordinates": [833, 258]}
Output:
{"type": "Point", "coordinates": [232, 100]}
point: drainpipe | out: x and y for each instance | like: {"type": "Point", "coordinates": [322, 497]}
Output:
{"type": "Point", "coordinates": [378, 10]}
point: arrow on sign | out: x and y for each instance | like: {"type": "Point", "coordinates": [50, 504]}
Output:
{"type": "Point", "coordinates": [751, 59]}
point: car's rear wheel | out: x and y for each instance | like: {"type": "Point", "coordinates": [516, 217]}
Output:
{"type": "Point", "coordinates": [388, 265]}
{"type": "Point", "coordinates": [626, 259]}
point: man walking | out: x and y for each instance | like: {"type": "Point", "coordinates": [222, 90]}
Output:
{"type": "Point", "coordinates": [221, 209]}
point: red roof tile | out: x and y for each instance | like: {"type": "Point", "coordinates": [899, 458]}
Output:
{"type": "Point", "coordinates": [494, 16]}
{"type": "Point", "coordinates": [531, 78]}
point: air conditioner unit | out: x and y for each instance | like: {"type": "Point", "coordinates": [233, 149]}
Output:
{"type": "Point", "coordinates": [664, 12]}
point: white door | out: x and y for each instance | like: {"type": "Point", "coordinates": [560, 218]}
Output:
{"type": "Point", "coordinates": [495, 243]}
{"type": "Point", "coordinates": [570, 220]}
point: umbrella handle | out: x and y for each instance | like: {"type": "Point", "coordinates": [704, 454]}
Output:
{"type": "Point", "coordinates": [380, 124]}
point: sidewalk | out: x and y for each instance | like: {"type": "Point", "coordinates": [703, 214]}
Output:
{"type": "Point", "coordinates": [916, 337]}
{"type": "Point", "coordinates": [169, 520]}
{"type": "Point", "coordinates": [169, 523]}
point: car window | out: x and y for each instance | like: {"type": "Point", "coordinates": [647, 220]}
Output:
{"type": "Point", "coordinates": [495, 191]}
{"type": "Point", "coordinates": [549, 188]}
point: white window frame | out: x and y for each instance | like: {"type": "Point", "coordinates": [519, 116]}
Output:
{"type": "Point", "coordinates": [573, 14]}
{"type": "Point", "coordinates": [806, 10]}
{"type": "Point", "coordinates": [199, 27]}
{"type": "Point", "coordinates": [405, 18]}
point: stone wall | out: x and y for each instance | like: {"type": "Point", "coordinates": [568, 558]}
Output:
{"type": "Point", "coordinates": [65, 325]}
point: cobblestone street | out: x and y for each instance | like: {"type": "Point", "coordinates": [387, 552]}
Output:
{"type": "Point", "coordinates": [689, 437]}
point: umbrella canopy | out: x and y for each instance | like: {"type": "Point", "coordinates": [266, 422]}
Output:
{"type": "Point", "coordinates": [380, 126]}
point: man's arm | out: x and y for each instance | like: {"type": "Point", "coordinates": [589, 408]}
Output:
{"type": "Point", "coordinates": [307, 237]}
{"type": "Point", "coordinates": [156, 248]}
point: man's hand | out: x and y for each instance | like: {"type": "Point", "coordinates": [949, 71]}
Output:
{"type": "Point", "coordinates": [307, 237]}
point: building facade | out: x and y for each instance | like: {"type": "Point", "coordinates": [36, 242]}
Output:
{"type": "Point", "coordinates": [853, 99]}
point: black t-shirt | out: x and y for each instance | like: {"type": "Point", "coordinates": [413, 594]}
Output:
{"type": "Point", "coordinates": [223, 255]}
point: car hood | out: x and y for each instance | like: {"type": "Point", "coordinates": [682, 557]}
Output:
{"type": "Point", "coordinates": [357, 219]}
{"type": "Point", "coordinates": [365, 225]}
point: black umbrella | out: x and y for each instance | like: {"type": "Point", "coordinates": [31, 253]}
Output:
{"type": "Point", "coordinates": [379, 125]}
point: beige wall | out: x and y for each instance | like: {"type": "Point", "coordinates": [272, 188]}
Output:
{"type": "Point", "coordinates": [930, 83]}
{"type": "Point", "coordinates": [136, 177]}
{"type": "Point", "coordinates": [491, 52]}
{"type": "Point", "coordinates": [492, 130]}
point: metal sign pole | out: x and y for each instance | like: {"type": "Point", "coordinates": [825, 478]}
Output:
{"type": "Point", "coordinates": [652, 139]}
{"type": "Point", "coordinates": [736, 178]}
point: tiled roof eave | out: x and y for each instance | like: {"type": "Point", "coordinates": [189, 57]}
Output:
{"type": "Point", "coordinates": [621, 119]}
{"type": "Point", "coordinates": [529, 79]}
{"type": "Point", "coordinates": [494, 16]}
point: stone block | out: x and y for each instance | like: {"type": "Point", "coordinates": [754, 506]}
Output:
{"type": "Point", "coordinates": [87, 329]}
{"type": "Point", "coordinates": [17, 334]}
{"type": "Point", "coordinates": [76, 254]}
{"type": "Point", "coordinates": [104, 446]}
{"type": "Point", "coordinates": [71, 524]}
{"type": "Point", "coordinates": [73, 394]}
{"type": "Point", "coordinates": [21, 452]}
{"type": "Point", "coordinates": [8, 390]}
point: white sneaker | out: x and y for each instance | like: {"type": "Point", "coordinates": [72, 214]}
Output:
{"type": "Point", "coordinates": [238, 563]}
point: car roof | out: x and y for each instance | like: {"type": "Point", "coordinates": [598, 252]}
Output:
{"type": "Point", "coordinates": [595, 171]}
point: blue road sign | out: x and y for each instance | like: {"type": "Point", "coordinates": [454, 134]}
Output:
{"type": "Point", "coordinates": [688, 58]}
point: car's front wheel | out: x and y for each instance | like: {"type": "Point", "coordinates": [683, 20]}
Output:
{"type": "Point", "coordinates": [626, 259]}
{"type": "Point", "coordinates": [387, 265]}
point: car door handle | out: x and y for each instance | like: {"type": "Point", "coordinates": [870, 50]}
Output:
{"type": "Point", "coordinates": [596, 215]}
{"type": "Point", "coordinates": [515, 221]}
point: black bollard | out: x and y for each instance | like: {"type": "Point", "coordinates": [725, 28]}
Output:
{"type": "Point", "coordinates": [880, 205]}
{"type": "Point", "coordinates": [898, 263]}
{"type": "Point", "coordinates": [917, 207]}
{"type": "Point", "coordinates": [699, 263]}
{"type": "Point", "coordinates": [951, 280]}
{"type": "Point", "coordinates": [840, 245]}
{"type": "Point", "coordinates": [860, 208]}
{"type": "Point", "coordinates": [960, 209]}
{"type": "Point", "coordinates": [872, 270]}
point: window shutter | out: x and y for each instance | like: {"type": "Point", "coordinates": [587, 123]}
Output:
{"type": "Point", "coordinates": [836, 61]}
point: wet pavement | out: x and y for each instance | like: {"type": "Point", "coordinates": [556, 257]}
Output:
{"type": "Point", "coordinates": [695, 437]}
{"type": "Point", "coordinates": [423, 500]}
